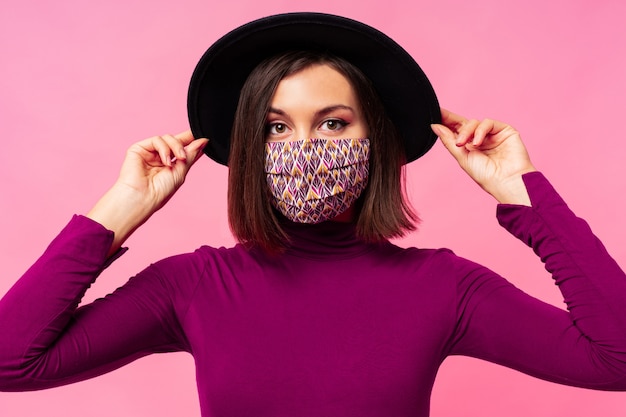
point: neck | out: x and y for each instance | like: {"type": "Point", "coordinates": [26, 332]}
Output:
{"type": "Point", "coordinates": [326, 240]}
{"type": "Point", "coordinates": [347, 216]}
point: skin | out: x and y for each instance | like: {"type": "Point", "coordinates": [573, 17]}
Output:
{"type": "Point", "coordinates": [490, 152]}
{"type": "Point", "coordinates": [317, 102]}
{"type": "Point", "coordinates": [150, 175]}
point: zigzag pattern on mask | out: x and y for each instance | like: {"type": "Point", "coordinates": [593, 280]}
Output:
{"type": "Point", "coordinates": [313, 180]}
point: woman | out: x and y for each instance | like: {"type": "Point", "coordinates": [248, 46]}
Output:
{"type": "Point", "coordinates": [315, 312]}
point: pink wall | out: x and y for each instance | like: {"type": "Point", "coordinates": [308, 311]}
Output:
{"type": "Point", "coordinates": [80, 81]}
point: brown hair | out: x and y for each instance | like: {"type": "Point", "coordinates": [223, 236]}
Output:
{"type": "Point", "coordinates": [382, 210]}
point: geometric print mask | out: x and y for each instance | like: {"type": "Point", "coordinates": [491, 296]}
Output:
{"type": "Point", "coordinates": [314, 180]}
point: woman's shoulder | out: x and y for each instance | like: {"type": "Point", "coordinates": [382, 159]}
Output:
{"type": "Point", "coordinates": [418, 255]}
{"type": "Point", "coordinates": [441, 264]}
{"type": "Point", "coordinates": [204, 257]}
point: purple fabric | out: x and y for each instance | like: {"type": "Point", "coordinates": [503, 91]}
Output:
{"type": "Point", "coordinates": [333, 327]}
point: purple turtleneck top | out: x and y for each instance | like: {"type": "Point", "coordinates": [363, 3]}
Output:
{"type": "Point", "coordinates": [334, 326]}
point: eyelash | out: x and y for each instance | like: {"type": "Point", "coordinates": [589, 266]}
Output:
{"type": "Point", "coordinates": [341, 124]}
{"type": "Point", "coordinates": [271, 126]}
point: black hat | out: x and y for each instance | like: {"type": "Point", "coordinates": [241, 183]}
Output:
{"type": "Point", "coordinates": [406, 93]}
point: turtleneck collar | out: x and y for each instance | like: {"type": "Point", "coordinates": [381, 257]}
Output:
{"type": "Point", "coordinates": [326, 240]}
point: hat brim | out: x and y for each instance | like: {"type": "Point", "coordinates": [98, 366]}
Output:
{"type": "Point", "coordinates": [404, 89]}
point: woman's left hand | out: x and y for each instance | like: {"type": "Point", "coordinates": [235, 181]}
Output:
{"type": "Point", "coordinates": [491, 152]}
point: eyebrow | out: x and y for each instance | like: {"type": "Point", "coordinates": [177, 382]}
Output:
{"type": "Point", "coordinates": [319, 113]}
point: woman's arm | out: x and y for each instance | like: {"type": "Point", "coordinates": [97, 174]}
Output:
{"type": "Point", "coordinates": [151, 173]}
{"type": "Point", "coordinates": [45, 340]}
{"type": "Point", "coordinates": [583, 346]}
{"type": "Point", "coordinates": [490, 152]}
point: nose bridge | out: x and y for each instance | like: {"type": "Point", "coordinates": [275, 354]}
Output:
{"type": "Point", "coordinates": [305, 129]}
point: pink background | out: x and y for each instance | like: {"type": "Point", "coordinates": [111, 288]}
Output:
{"type": "Point", "coordinates": [81, 80]}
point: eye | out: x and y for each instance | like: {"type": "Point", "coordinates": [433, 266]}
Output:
{"type": "Point", "coordinates": [276, 128]}
{"type": "Point", "coordinates": [333, 124]}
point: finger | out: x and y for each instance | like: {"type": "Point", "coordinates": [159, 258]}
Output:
{"type": "Point", "coordinates": [160, 145]}
{"type": "Point", "coordinates": [147, 149]}
{"type": "Point", "coordinates": [488, 127]}
{"type": "Point", "coordinates": [451, 120]}
{"type": "Point", "coordinates": [466, 131]}
{"type": "Point", "coordinates": [194, 150]}
{"type": "Point", "coordinates": [463, 127]}
{"type": "Point", "coordinates": [448, 138]}
{"type": "Point", "coordinates": [177, 148]}
{"type": "Point", "coordinates": [185, 137]}
{"type": "Point", "coordinates": [484, 128]}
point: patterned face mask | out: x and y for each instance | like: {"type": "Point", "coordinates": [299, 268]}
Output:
{"type": "Point", "coordinates": [314, 180]}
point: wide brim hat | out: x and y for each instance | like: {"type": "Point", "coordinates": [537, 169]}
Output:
{"type": "Point", "coordinates": [405, 91]}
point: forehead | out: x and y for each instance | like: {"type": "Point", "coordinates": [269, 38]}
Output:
{"type": "Point", "coordinates": [319, 83]}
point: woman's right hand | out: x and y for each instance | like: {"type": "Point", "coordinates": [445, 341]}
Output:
{"type": "Point", "coordinates": [156, 167]}
{"type": "Point", "coordinates": [151, 173]}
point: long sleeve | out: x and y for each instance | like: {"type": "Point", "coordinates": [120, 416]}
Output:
{"type": "Point", "coordinates": [46, 341]}
{"type": "Point", "coordinates": [334, 326]}
{"type": "Point", "coordinates": [583, 346]}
